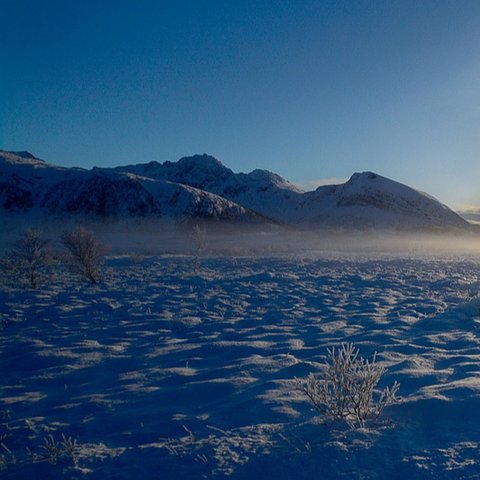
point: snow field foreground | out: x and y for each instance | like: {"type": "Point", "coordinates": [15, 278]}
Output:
{"type": "Point", "coordinates": [159, 372]}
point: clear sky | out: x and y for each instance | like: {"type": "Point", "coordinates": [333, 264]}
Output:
{"type": "Point", "coordinates": [312, 90]}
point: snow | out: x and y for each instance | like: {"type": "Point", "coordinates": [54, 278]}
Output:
{"type": "Point", "coordinates": [369, 200]}
{"type": "Point", "coordinates": [29, 185]}
{"type": "Point", "coordinates": [21, 158]}
{"type": "Point", "coordinates": [202, 187]}
{"type": "Point", "coordinates": [260, 190]}
{"type": "Point", "coordinates": [162, 373]}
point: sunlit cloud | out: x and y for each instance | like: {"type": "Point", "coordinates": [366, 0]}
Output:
{"type": "Point", "coordinates": [309, 185]}
{"type": "Point", "coordinates": [471, 213]}
{"type": "Point", "coordinates": [467, 208]}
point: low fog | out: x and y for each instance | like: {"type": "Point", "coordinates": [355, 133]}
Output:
{"type": "Point", "coordinates": [163, 237]}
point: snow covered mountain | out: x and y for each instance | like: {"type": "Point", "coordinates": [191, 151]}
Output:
{"type": "Point", "coordinates": [202, 187]}
{"type": "Point", "coordinates": [367, 200]}
{"type": "Point", "coordinates": [260, 190]}
{"type": "Point", "coordinates": [28, 184]}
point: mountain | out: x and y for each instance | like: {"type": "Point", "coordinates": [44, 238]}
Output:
{"type": "Point", "coordinates": [260, 190]}
{"type": "Point", "coordinates": [28, 184]}
{"type": "Point", "coordinates": [202, 187]}
{"type": "Point", "coordinates": [369, 200]}
{"type": "Point", "coordinates": [366, 200]}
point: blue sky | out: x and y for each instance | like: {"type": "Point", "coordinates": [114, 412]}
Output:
{"type": "Point", "coordinates": [312, 90]}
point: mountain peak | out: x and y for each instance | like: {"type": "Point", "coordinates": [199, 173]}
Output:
{"type": "Point", "coordinates": [25, 154]}
{"type": "Point", "coordinates": [198, 167]}
{"type": "Point", "coordinates": [364, 176]}
{"type": "Point", "coordinates": [21, 157]}
{"type": "Point", "coordinates": [266, 177]}
{"type": "Point", "coordinates": [204, 160]}
{"type": "Point", "coordinates": [370, 180]}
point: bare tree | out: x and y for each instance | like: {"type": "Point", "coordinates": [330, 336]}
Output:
{"type": "Point", "coordinates": [86, 253]}
{"type": "Point", "coordinates": [29, 257]}
{"type": "Point", "coordinates": [345, 390]}
{"type": "Point", "coordinates": [199, 237]}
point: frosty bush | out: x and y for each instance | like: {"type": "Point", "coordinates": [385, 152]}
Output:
{"type": "Point", "coordinates": [28, 258]}
{"type": "Point", "coordinates": [55, 451]}
{"type": "Point", "coordinates": [345, 389]}
{"type": "Point", "coordinates": [86, 253]}
{"type": "Point", "coordinates": [199, 237]}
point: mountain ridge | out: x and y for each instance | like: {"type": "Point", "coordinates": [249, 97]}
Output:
{"type": "Point", "coordinates": [200, 186]}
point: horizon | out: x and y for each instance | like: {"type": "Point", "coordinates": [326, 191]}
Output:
{"type": "Point", "coordinates": [312, 92]}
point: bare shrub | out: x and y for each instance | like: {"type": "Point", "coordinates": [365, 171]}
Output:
{"type": "Point", "coordinates": [86, 253]}
{"type": "Point", "coordinates": [55, 451]}
{"type": "Point", "coordinates": [70, 448]}
{"type": "Point", "coordinates": [345, 389]}
{"type": "Point", "coordinates": [51, 449]}
{"type": "Point", "coordinates": [199, 238]}
{"type": "Point", "coordinates": [29, 257]}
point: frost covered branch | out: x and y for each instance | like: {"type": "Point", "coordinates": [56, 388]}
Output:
{"type": "Point", "coordinates": [86, 253]}
{"type": "Point", "coordinates": [29, 257]}
{"type": "Point", "coordinates": [345, 390]}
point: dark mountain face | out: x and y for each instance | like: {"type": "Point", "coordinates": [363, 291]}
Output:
{"type": "Point", "coordinates": [15, 198]}
{"type": "Point", "coordinates": [100, 195]}
{"type": "Point", "coordinates": [29, 184]}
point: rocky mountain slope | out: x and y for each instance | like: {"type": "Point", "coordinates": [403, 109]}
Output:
{"type": "Point", "coordinates": [260, 190]}
{"type": "Point", "coordinates": [202, 187]}
{"type": "Point", "coordinates": [28, 184]}
{"type": "Point", "coordinates": [370, 200]}
{"type": "Point", "coordinates": [367, 200]}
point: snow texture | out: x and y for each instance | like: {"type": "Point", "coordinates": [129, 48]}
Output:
{"type": "Point", "coordinates": [162, 373]}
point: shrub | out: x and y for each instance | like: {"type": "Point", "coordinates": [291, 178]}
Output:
{"type": "Point", "coordinates": [345, 389]}
{"type": "Point", "coordinates": [86, 253]}
{"type": "Point", "coordinates": [199, 238]}
{"type": "Point", "coordinates": [29, 257]}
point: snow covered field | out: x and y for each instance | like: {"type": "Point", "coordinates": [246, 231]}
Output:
{"type": "Point", "coordinates": [159, 372]}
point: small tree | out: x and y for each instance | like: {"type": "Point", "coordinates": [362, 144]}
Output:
{"type": "Point", "coordinates": [345, 390]}
{"type": "Point", "coordinates": [29, 257]}
{"type": "Point", "coordinates": [86, 253]}
{"type": "Point", "coordinates": [199, 237]}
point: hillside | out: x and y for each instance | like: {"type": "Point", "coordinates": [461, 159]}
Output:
{"type": "Point", "coordinates": [30, 185]}
{"type": "Point", "coordinates": [202, 187]}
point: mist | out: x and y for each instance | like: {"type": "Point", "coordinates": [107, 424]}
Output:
{"type": "Point", "coordinates": [160, 237]}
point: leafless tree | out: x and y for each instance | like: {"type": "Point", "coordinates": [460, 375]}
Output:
{"type": "Point", "coordinates": [86, 253]}
{"type": "Point", "coordinates": [345, 389]}
{"type": "Point", "coordinates": [29, 257]}
{"type": "Point", "coordinates": [199, 237]}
